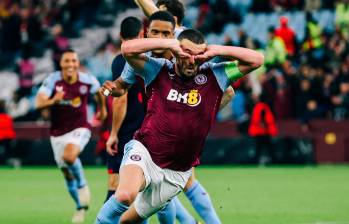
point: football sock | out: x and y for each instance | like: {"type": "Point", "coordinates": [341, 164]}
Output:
{"type": "Point", "coordinates": [109, 194]}
{"type": "Point", "coordinates": [167, 214]}
{"type": "Point", "coordinates": [78, 172]}
{"type": "Point", "coordinates": [110, 212]}
{"type": "Point", "coordinates": [72, 187]}
{"type": "Point", "coordinates": [201, 201]}
{"type": "Point", "coordinates": [182, 215]}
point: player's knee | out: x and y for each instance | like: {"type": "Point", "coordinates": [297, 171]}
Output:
{"type": "Point", "coordinates": [69, 158]}
{"type": "Point", "coordinates": [125, 197]}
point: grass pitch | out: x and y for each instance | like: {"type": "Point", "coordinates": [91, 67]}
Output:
{"type": "Point", "coordinates": [241, 195]}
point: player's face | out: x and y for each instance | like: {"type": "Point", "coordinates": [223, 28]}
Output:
{"type": "Point", "coordinates": [189, 67]}
{"type": "Point", "coordinates": [160, 29]}
{"type": "Point", "coordinates": [69, 65]}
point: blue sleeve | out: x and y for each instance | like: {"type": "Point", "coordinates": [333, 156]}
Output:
{"type": "Point", "coordinates": [48, 85]}
{"type": "Point", "coordinates": [151, 69]}
{"type": "Point", "coordinates": [225, 72]}
{"type": "Point", "coordinates": [128, 74]}
{"type": "Point", "coordinates": [95, 85]}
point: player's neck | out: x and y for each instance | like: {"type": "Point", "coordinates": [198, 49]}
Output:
{"type": "Point", "coordinates": [72, 80]}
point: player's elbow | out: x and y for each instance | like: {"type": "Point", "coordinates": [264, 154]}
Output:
{"type": "Point", "coordinates": [127, 49]}
{"type": "Point", "coordinates": [258, 60]}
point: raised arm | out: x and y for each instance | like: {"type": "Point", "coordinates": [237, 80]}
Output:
{"type": "Point", "coordinates": [147, 6]}
{"type": "Point", "coordinates": [248, 60]}
{"type": "Point", "coordinates": [133, 50]}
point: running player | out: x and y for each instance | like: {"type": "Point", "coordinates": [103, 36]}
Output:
{"type": "Point", "coordinates": [66, 93]}
{"type": "Point", "coordinates": [194, 191]}
{"type": "Point", "coordinates": [184, 98]}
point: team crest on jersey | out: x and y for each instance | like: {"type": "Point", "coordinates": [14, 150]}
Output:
{"type": "Point", "coordinates": [135, 157]}
{"type": "Point", "coordinates": [83, 89]}
{"type": "Point", "coordinates": [59, 88]}
{"type": "Point", "coordinates": [200, 79]}
{"type": "Point", "coordinates": [191, 98]}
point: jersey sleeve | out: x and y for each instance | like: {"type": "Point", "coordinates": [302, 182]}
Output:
{"type": "Point", "coordinates": [149, 72]}
{"type": "Point", "coordinates": [226, 73]}
{"type": "Point", "coordinates": [48, 85]}
{"type": "Point", "coordinates": [95, 85]}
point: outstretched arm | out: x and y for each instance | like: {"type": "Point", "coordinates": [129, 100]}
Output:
{"type": "Point", "coordinates": [148, 7]}
{"type": "Point", "coordinates": [248, 60]}
{"type": "Point", "coordinates": [115, 88]}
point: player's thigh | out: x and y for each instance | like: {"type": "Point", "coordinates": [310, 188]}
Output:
{"type": "Point", "coordinates": [131, 216]}
{"type": "Point", "coordinates": [131, 181]}
{"type": "Point", "coordinates": [71, 152]}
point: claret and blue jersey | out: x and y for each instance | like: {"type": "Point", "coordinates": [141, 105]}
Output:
{"type": "Point", "coordinates": [71, 112]}
{"type": "Point", "coordinates": [180, 112]}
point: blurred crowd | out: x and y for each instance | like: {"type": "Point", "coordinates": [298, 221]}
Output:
{"type": "Point", "coordinates": [301, 79]}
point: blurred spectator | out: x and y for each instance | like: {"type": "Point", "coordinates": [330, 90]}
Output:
{"type": "Point", "coordinates": [275, 53]}
{"type": "Point", "coordinates": [261, 6]}
{"type": "Point", "coordinates": [287, 34]}
{"type": "Point", "coordinates": [25, 69]}
{"type": "Point", "coordinates": [263, 127]}
{"type": "Point", "coordinates": [311, 5]}
{"type": "Point", "coordinates": [18, 108]}
{"type": "Point", "coordinates": [342, 17]}
{"type": "Point", "coordinates": [341, 102]}
{"type": "Point", "coordinates": [313, 45]}
{"type": "Point", "coordinates": [7, 133]}
{"type": "Point", "coordinates": [11, 36]}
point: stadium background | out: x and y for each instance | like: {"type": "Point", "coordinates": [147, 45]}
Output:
{"type": "Point", "coordinates": [305, 82]}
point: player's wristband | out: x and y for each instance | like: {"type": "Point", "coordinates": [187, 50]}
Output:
{"type": "Point", "coordinates": [106, 92]}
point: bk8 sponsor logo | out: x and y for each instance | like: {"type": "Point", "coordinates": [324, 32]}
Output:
{"type": "Point", "coordinates": [191, 98]}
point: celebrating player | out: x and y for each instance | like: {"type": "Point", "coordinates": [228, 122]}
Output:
{"type": "Point", "coordinates": [184, 97]}
{"type": "Point", "coordinates": [66, 93]}
{"type": "Point", "coordinates": [194, 191]}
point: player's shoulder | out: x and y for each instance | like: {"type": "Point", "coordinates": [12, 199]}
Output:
{"type": "Point", "coordinates": [53, 77]}
{"type": "Point", "coordinates": [87, 78]}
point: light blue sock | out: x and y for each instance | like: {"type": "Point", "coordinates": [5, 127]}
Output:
{"type": "Point", "coordinates": [182, 215]}
{"type": "Point", "coordinates": [167, 215]}
{"type": "Point", "coordinates": [72, 187]}
{"type": "Point", "coordinates": [78, 172]}
{"type": "Point", "coordinates": [110, 212]}
{"type": "Point", "coordinates": [201, 201]}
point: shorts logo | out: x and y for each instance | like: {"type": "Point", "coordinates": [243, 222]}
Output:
{"type": "Point", "coordinates": [200, 79]}
{"type": "Point", "coordinates": [135, 157]}
{"type": "Point", "coordinates": [193, 98]}
{"type": "Point", "coordinates": [83, 90]}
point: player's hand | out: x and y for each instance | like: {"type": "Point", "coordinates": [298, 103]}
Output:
{"type": "Point", "coordinates": [178, 52]}
{"type": "Point", "coordinates": [207, 55]}
{"type": "Point", "coordinates": [58, 97]}
{"type": "Point", "coordinates": [102, 114]}
{"type": "Point", "coordinates": [107, 85]}
{"type": "Point", "coordinates": [112, 144]}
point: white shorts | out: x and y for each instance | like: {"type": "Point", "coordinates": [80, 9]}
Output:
{"type": "Point", "coordinates": [161, 184]}
{"type": "Point", "coordinates": [79, 137]}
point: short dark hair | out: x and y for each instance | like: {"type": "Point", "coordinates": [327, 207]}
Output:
{"type": "Point", "coordinates": [163, 16]}
{"type": "Point", "coordinates": [130, 27]}
{"type": "Point", "coordinates": [175, 7]}
{"type": "Point", "coordinates": [69, 50]}
{"type": "Point", "coordinates": [193, 35]}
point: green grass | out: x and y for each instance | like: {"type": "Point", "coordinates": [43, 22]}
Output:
{"type": "Point", "coordinates": [241, 195]}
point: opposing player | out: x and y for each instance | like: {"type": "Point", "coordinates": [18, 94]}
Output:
{"type": "Point", "coordinates": [184, 98]}
{"type": "Point", "coordinates": [194, 191]}
{"type": "Point", "coordinates": [66, 93]}
{"type": "Point", "coordinates": [128, 110]}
